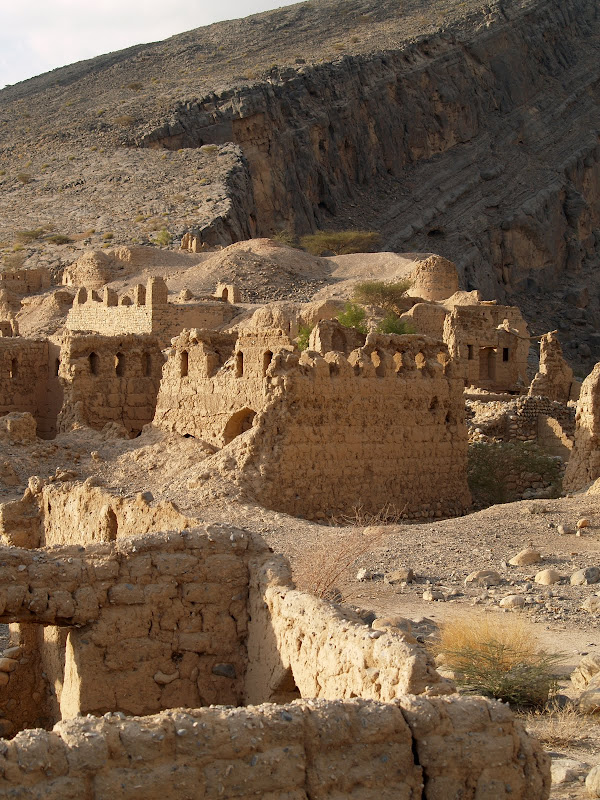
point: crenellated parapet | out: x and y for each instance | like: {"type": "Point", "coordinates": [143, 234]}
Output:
{"type": "Point", "coordinates": [324, 432]}
{"type": "Point", "coordinates": [143, 310]}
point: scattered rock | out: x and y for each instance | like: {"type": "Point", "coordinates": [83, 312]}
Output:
{"type": "Point", "coordinates": [585, 671]}
{"type": "Point", "coordinates": [401, 575]}
{"type": "Point", "coordinates": [583, 523]}
{"type": "Point", "coordinates": [566, 770]}
{"type": "Point", "coordinates": [525, 557]}
{"type": "Point", "coordinates": [564, 530]}
{"type": "Point", "coordinates": [433, 594]}
{"type": "Point", "coordinates": [591, 604]}
{"type": "Point", "coordinates": [364, 575]}
{"type": "Point", "coordinates": [585, 577]}
{"type": "Point", "coordinates": [548, 576]}
{"type": "Point", "coordinates": [512, 601]}
{"type": "Point", "coordinates": [484, 577]}
{"type": "Point", "coordinates": [589, 700]}
{"type": "Point", "coordinates": [592, 782]}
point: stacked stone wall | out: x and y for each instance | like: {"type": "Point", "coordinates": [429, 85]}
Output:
{"type": "Point", "coordinates": [584, 464]}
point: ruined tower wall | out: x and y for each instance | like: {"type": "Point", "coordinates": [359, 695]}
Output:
{"type": "Point", "coordinates": [24, 379]}
{"type": "Point", "coordinates": [373, 431]}
{"type": "Point", "coordinates": [109, 379]}
{"type": "Point", "coordinates": [210, 378]}
{"type": "Point", "coordinates": [584, 465]}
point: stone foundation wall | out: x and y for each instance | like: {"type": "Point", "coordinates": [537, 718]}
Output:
{"type": "Point", "coordinates": [439, 749]}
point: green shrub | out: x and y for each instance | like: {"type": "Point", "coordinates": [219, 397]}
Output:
{"type": "Point", "coordinates": [384, 295]}
{"type": "Point", "coordinates": [29, 235]}
{"type": "Point", "coordinates": [24, 177]}
{"type": "Point", "coordinates": [285, 236]}
{"type": "Point", "coordinates": [392, 324]}
{"type": "Point", "coordinates": [163, 238]}
{"type": "Point", "coordinates": [58, 238]}
{"type": "Point", "coordinates": [210, 148]}
{"type": "Point", "coordinates": [125, 120]}
{"type": "Point", "coordinates": [353, 316]}
{"type": "Point", "coordinates": [108, 236]}
{"type": "Point", "coordinates": [304, 332]}
{"type": "Point", "coordinates": [498, 658]}
{"type": "Point", "coordinates": [340, 242]}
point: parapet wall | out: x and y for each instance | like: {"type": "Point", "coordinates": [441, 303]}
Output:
{"type": "Point", "coordinates": [143, 310]}
{"type": "Point", "coordinates": [436, 749]}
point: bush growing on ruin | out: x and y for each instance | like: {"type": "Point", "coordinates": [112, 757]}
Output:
{"type": "Point", "coordinates": [491, 467]}
{"type": "Point", "coordinates": [391, 323]}
{"type": "Point", "coordinates": [498, 658]}
{"type": "Point", "coordinates": [304, 332]}
{"type": "Point", "coordinates": [340, 242]}
{"type": "Point", "coordinates": [353, 316]}
{"type": "Point", "coordinates": [285, 236]}
{"type": "Point", "coordinates": [384, 295]}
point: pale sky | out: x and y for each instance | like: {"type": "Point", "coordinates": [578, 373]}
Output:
{"type": "Point", "coordinates": [39, 35]}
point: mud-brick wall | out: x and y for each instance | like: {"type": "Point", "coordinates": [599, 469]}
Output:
{"type": "Point", "coordinates": [24, 377]}
{"type": "Point", "coordinates": [109, 379]}
{"type": "Point", "coordinates": [213, 383]}
{"type": "Point", "coordinates": [375, 431]}
{"type": "Point", "coordinates": [154, 622]}
{"type": "Point", "coordinates": [356, 749]}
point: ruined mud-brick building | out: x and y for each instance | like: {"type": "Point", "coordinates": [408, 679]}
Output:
{"type": "Point", "coordinates": [167, 624]}
{"type": "Point", "coordinates": [25, 281]}
{"type": "Point", "coordinates": [325, 433]}
{"type": "Point", "coordinates": [146, 310]}
{"type": "Point", "coordinates": [488, 342]}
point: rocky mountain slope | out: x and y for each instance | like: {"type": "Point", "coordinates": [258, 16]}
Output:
{"type": "Point", "coordinates": [466, 129]}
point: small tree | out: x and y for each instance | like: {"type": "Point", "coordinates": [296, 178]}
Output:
{"type": "Point", "coordinates": [384, 295]}
{"type": "Point", "coordinates": [353, 316]}
{"type": "Point", "coordinates": [340, 242]}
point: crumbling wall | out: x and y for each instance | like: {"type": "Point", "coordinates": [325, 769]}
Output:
{"type": "Point", "coordinates": [24, 379]}
{"type": "Point", "coordinates": [490, 344]}
{"type": "Point", "coordinates": [554, 379]}
{"type": "Point", "coordinates": [302, 646]}
{"type": "Point", "coordinates": [214, 384]}
{"type": "Point", "coordinates": [154, 622]}
{"type": "Point", "coordinates": [25, 281]}
{"type": "Point", "coordinates": [144, 310]}
{"type": "Point", "coordinates": [584, 464]}
{"type": "Point", "coordinates": [356, 749]}
{"type": "Point", "coordinates": [109, 379]}
{"type": "Point", "coordinates": [383, 428]}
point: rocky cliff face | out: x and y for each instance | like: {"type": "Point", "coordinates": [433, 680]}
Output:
{"type": "Point", "coordinates": [482, 147]}
{"type": "Point", "coordinates": [456, 128]}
